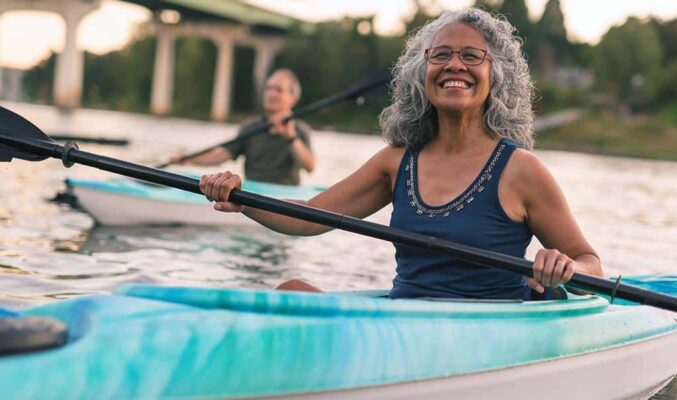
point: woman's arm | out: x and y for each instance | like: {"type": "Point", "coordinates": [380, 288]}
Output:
{"type": "Point", "coordinates": [359, 195]}
{"type": "Point", "coordinates": [532, 194]}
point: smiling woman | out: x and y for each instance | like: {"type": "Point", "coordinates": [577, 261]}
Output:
{"type": "Point", "coordinates": [458, 167]}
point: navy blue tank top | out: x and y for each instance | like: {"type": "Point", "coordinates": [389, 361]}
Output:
{"type": "Point", "coordinates": [475, 218]}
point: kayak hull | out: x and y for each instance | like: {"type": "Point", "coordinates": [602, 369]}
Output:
{"type": "Point", "coordinates": [634, 371]}
{"type": "Point", "coordinates": [164, 342]}
{"type": "Point", "coordinates": [117, 202]}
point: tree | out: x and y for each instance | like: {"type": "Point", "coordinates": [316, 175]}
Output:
{"type": "Point", "coordinates": [38, 81]}
{"type": "Point", "coordinates": [553, 46]}
{"type": "Point", "coordinates": [491, 6]}
{"type": "Point", "coordinates": [517, 13]}
{"type": "Point", "coordinates": [628, 62]}
{"type": "Point", "coordinates": [551, 23]}
{"type": "Point", "coordinates": [667, 33]}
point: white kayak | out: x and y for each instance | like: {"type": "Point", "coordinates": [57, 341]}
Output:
{"type": "Point", "coordinates": [123, 201]}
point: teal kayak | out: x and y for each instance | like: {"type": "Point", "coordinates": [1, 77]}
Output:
{"type": "Point", "coordinates": [146, 342]}
{"type": "Point", "coordinates": [123, 201]}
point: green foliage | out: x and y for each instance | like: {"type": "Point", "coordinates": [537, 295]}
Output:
{"type": "Point", "coordinates": [194, 77]}
{"type": "Point", "coordinates": [105, 87]}
{"type": "Point", "coordinates": [667, 86]}
{"type": "Point", "coordinates": [38, 81]}
{"type": "Point", "coordinates": [552, 97]}
{"type": "Point", "coordinates": [609, 133]}
{"type": "Point", "coordinates": [668, 113]}
{"type": "Point", "coordinates": [517, 13]}
{"type": "Point", "coordinates": [628, 62]}
{"type": "Point", "coordinates": [667, 34]}
{"type": "Point", "coordinates": [491, 6]}
{"type": "Point", "coordinates": [553, 45]}
{"type": "Point", "coordinates": [551, 24]}
{"type": "Point", "coordinates": [331, 59]}
{"type": "Point", "coordinates": [244, 98]}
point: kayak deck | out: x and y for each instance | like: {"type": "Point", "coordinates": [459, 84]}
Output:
{"type": "Point", "coordinates": [150, 341]}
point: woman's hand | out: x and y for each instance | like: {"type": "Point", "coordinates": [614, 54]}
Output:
{"type": "Point", "coordinates": [551, 269]}
{"type": "Point", "coordinates": [217, 188]}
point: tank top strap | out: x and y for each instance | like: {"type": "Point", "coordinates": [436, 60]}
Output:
{"type": "Point", "coordinates": [494, 169]}
{"type": "Point", "coordinates": [400, 188]}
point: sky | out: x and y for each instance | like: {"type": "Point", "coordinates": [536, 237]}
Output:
{"type": "Point", "coordinates": [26, 37]}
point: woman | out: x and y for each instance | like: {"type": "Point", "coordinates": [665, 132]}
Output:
{"type": "Point", "coordinates": [457, 167]}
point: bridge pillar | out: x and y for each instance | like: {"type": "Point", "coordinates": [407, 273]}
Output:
{"type": "Point", "coordinates": [70, 63]}
{"type": "Point", "coordinates": [222, 91]}
{"type": "Point", "coordinates": [266, 49]}
{"type": "Point", "coordinates": [163, 71]}
{"type": "Point", "coordinates": [225, 36]}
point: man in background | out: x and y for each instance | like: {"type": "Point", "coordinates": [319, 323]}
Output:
{"type": "Point", "coordinates": [276, 156]}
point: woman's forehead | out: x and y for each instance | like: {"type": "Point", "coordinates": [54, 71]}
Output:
{"type": "Point", "coordinates": [459, 34]}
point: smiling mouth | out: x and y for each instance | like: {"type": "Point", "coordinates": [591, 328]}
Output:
{"type": "Point", "coordinates": [455, 84]}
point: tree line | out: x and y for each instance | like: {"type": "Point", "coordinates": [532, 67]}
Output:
{"type": "Point", "coordinates": [634, 64]}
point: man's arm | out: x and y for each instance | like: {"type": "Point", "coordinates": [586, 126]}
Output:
{"type": "Point", "coordinates": [303, 153]}
{"type": "Point", "coordinates": [213, 157]}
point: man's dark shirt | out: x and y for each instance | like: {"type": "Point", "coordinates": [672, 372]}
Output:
{"type": "Point", "coordinates": [269, 157]}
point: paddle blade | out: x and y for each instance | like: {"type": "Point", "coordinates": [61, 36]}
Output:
{"type": "Point", "coordinates": [14, 125]}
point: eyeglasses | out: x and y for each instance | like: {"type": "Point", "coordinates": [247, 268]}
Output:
{"type": "Point", "coordinates": [469, 56]}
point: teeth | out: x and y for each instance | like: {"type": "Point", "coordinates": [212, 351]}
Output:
{"type": "Point", "coordinates": [459, 84]}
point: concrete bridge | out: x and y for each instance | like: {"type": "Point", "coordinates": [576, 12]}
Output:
{"type": "Point", "coordinates": [225, 22]}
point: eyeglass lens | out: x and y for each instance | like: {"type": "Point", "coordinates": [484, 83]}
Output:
{"type": "Point", "coordinates": [443, 54]}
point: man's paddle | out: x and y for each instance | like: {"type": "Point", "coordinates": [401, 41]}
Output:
{"type": "Point", "coordinates": [94, 140]}
{"type": "Point", "coordinates": [21, 139]}
{"type": "Point", "coordinates": [372, 82]}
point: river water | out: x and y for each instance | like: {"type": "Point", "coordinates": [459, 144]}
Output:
{"type": "Point", "coordinates": [627, 209]}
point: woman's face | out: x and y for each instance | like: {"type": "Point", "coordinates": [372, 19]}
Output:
{"type": "Point", "coordinates": [455, 87]}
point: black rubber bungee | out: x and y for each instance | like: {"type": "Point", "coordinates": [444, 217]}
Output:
{"type": "Point", "coordinates": [20, 335]}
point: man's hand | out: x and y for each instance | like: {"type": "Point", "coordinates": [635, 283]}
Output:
{"type": "Point", "coordinates": [281, 128]}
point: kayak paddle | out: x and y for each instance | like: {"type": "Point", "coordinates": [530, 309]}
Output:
{"type": "Point", "coordinates": [94, 140]}
{"type": "Point", "coordinates": [19, 138]}
{"type": "Point", "coordinates": [370, 83]}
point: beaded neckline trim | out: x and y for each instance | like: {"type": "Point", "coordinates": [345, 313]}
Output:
{"type": "Point", "coordinates": [461, 202]}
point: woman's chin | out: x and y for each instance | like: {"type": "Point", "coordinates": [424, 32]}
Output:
{"type": "Point", "coordinates": [456, 107]}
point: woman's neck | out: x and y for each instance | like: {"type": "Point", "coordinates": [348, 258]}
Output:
{"type": "Point", "coordinates": [460, 133]}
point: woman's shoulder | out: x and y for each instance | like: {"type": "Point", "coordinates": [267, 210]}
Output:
{"type": "Point", "coordinates": [524, 161]}
{"type": "Point", "coordinates": [390, 153]}
{"type": "Point", "coordinates": [527, 173]}
{"type": "Point", "coordinates": [388, 158]}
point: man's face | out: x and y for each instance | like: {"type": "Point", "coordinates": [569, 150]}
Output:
{"type": "Point", "coordinates": [278, 95]}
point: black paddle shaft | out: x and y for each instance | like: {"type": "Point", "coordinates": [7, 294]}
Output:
{"type": "Point", "coordinates": [69, 154]}
{"type": "Point", "coordinates": [369, 83]}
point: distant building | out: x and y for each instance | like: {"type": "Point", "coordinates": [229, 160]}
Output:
{"type": "Point", "coordinates": [573, 77]}
{"type": "Point", "coordinates": [12, 84]}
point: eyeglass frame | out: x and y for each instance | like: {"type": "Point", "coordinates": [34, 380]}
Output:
{"type": "Point", "coordinates": [426, 54]}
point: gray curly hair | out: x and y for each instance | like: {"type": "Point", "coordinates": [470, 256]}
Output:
{"type": "Point", "coordinates": [411, 119]}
